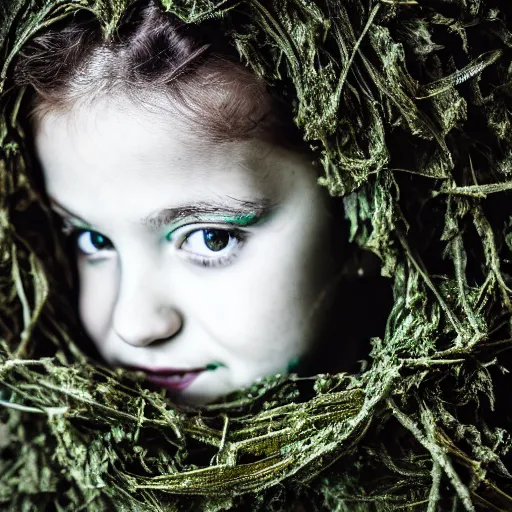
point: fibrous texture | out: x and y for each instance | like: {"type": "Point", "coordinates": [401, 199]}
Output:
{"type": "Point", "coordinates": [407, 106]}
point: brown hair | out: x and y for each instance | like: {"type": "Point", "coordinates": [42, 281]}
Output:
{"type": "Point", "coordinates": [153, 51]}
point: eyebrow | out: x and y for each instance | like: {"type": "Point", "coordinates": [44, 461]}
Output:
{"type": "Point", "coordinates": [59, 209]}
{"type": "Point", "coordinates": [232, 209]}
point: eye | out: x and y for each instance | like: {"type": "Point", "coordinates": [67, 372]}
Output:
{"type": "Point", "coordinates": [208, 241]}
{"type": "Point", "coordinates": [91, 242]}
{"type": "Point", "coordinates": [212, 247]}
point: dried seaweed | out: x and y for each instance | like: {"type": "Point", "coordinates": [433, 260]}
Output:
{"type": "Point", "coordinates": [406, 105]}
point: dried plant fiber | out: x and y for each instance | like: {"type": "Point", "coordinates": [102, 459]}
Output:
{"type": "Point", "coordinates": [408, 105]}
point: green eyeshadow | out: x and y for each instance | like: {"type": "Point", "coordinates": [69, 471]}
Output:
{"type": "Point", "coordinates": [243, 220]}
{"type": "Point", "coordinates": [239, 220]}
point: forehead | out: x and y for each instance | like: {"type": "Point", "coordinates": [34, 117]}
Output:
{"type": "Point", "coordinates": [121, 154]}
{"type": "Point", "coordinates": [144, 130]}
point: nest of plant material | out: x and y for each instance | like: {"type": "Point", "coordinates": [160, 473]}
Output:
{"type": "Point", "coordinates": [407, 105]}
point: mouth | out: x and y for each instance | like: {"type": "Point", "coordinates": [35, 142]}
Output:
{"type": "Point", "coordinates": [176, 381]}
{"type": "Point", "coordinates": [173, 379]}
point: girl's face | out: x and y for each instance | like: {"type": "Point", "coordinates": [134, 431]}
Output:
{"type": "Point", "coordinates": [204, 265]}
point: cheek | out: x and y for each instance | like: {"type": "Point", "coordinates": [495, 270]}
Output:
{"type": "Point", "coordinates": [269, 303]}
{"type": "Point", "coordinates": [97, 295]}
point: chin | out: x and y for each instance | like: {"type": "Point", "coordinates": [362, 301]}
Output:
{"type": "Point", "coordinates": [196, 398]}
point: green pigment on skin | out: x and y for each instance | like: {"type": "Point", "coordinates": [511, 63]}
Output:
{"type": "Point", "coordinates": [247, 219]}
{"type": "Point", "coordinates": [242, 220]}
{"type": "Point", "coordinates": [213, 366]}
{"type": "Point", "coordinates": [293, 364]}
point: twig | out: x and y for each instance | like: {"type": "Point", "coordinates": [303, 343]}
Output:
{"type": "Point", "coordinates": [438, 456]}
{"type": "Point", "coordinates": [400, 2]}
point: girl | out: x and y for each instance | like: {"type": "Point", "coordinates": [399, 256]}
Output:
{"type": "Point", "coordinates": [206, 254]}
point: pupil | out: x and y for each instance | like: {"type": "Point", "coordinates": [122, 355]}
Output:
{"type": "Point", "coordinates": [216, 239]}
{"type": "Point", "coordinates": [98, 241]}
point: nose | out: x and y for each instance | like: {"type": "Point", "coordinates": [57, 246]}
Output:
{"type": "Point", "coordinates": [143, 315]}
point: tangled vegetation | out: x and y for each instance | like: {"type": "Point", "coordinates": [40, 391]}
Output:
{"type": "Point", "coordinates": [407, 106]}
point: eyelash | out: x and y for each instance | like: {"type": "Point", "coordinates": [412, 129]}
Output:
{"type": "Point", "coordinates": [214, 262]}
{"type": "Point", "coordinates": [73, 232]}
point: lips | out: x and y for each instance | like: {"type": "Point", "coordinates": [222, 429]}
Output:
{"type": "Point", "coordinates": [172, 379]}
{"type": "Point", "coordinates": [176, 382]}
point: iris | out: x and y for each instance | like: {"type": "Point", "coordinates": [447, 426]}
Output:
{"type": "Point", "coordinates": [91, 242]}
{"type": "Point", "coordinates": [216, 239]}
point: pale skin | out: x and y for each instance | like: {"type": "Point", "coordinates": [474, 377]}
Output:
{"type": "Point", "coordinates": [204, 264]}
